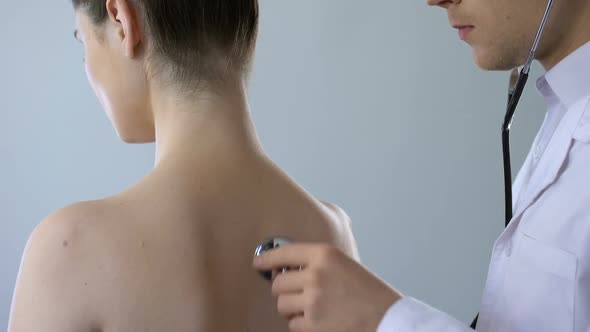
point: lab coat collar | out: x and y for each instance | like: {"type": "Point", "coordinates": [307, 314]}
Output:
{"type": "Point", "coordinates": [569, 80]}
{"type": "Point", "coordinates": [575, 125]}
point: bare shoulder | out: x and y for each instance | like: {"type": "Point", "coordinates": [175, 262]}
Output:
{"type": "Point", "coordinates": [70, 222]}
{"type": "Point", "coordinates": [50, 293]}
{"type": "Point", "coordinates": [72, 227]}
{"type": "Point", "coordinates": [343, 229]}
{"type": "Point", "coordinates": [337, 212]}
{"type": "Point", "coordinates": [68, 233]}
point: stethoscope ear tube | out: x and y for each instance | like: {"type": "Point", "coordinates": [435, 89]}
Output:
{"type": "Point", "coordinates": [514, 98]}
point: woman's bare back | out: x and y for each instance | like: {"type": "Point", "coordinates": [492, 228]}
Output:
{"type": "Point", "coordinates": [176, 255]}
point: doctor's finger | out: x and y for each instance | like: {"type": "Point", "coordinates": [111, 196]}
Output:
{"type": "Point", "coordinates": [299, 324]}
{"type": "Point", "coordinates": [291, 305]}
{"type": "Point", "coordinates": [290, 282]}
{"type": "Point", "coordinates": [288, 255]}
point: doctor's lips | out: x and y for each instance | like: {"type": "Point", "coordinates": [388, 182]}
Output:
{"type": "Point", "coordinates": [464, 30]}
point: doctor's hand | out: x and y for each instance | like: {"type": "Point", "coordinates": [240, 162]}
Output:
{"type": "Point", "coordinates": [331, 293]}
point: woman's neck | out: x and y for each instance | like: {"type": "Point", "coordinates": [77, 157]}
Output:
{"type": "Point", "coordinates": [207, 128]}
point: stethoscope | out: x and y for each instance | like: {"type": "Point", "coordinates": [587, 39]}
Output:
{"type": "Point", "coordinates": [518, 80]}
{"type": "Point", "coordinates": [267, 245]}
{"type": "Point", "coordinates": [516, 87]}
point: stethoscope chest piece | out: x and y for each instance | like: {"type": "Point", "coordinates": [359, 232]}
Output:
{"type": "Point", "coordinates": [268, 245]}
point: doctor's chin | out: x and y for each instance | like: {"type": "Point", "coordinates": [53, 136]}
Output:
{"type": "Point", "coordinates": [497, 59]}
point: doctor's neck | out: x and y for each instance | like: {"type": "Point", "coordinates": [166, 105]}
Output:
{"type": "Point", "coordinates": [566, 39]}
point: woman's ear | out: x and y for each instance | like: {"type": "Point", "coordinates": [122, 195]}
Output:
{"type": "Point", "coordinates": [125, 17]}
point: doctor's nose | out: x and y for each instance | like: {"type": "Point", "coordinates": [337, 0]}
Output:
{"type": "Point", "coordinates": [443, 3]}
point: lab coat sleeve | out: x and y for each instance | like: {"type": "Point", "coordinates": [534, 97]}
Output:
{"type": "Point", "coordinates": [411, 315]}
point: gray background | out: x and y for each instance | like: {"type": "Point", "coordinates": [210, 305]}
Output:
{"type": "Point", "coordinates": [375, 105]}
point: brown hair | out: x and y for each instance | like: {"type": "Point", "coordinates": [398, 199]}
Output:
{"type": "Point", "coordinates": [187, 37]}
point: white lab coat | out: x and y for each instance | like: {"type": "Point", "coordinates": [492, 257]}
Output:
{"type": "Point", "coordinates": [539, 275]}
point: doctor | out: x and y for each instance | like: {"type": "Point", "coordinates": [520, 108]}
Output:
{"type": "Point", "coordinates": [539, 275]}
